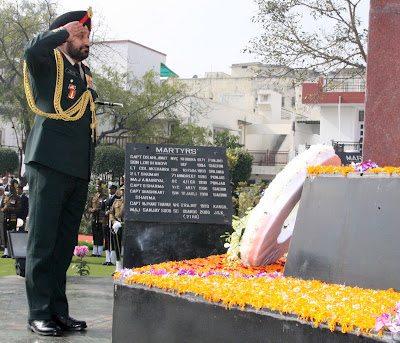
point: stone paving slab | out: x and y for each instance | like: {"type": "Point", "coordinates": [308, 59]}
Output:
{"type": "Point", "coordinates": [90, 299]}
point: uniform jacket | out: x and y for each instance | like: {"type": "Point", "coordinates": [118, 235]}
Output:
{"type": "Point", "coordinates": [23, 213]}
{"type": "Point", "coordinates": [97, 203]}
{"type": "Point", "coordinates": [117, 211]}
{"type": "Point", "coordinates": [11, 205]}
{"type": "Point", "coordinates": [65, 146]}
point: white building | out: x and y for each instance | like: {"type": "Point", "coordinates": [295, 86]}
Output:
{"type": "Point", "coordinates": [341, 106]}
{"type": "Point", "coordinates": [260, 110]}
{"type": "Point", "coordinates": [126, 56]}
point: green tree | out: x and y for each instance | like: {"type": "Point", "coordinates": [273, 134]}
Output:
{"type": "Point", "coordinates": [189, 134]}
{"type": "Point", "coordinates": [337, 44]}
{"type": "Point", "coordinates": [241, 170]}
{"type": "Point", "coordinates": [19, 22]}
{"type": "Point", "coordinates": [148, 105]}
{"type": "Point", "coordinates": [109, 161]}
{"type": "Point", "coordinates": [9, 161]}
{"type": "Point", "coordinates": [225, 139]}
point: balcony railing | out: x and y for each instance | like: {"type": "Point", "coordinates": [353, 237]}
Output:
{"type": "Point", "coordinates": [344, 85]}
{"type": "Point", "coordinates": [270, 158]}
{"type": "Point", "coordinates": [346, 146]}
{"type": "Point", "coordinates": [122, 140]}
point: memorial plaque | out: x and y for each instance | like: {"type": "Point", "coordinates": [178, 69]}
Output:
{"type": "Point", "coordinates": [177, 184]}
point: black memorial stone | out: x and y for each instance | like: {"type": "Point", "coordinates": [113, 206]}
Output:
{"type": "Point", "coordinates": [177, 203]}
{"type": "Point", "coordinates": [347, 231]}
{"type": "Point", "coordinates": [143, 314]}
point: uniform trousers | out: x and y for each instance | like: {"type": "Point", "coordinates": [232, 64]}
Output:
{"type": "Point", "coordinates": [97, 232]}
{"type": "Point", "coordinates": [56, 204]}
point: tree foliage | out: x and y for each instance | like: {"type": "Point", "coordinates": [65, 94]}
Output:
{"type": "Point", "coordinates": [189, 134]}
{"type": "Point", "coordinates": [337, 41]}
{"type": "Point", "coordinates": [109, 161]}
{"type": "Point", "coordinates": [148, 104]}
{"type": "Point", "coordinates": [9, 161]}
{"type": "Point", "coordinates": [241, 170]}
{"type": "Point", "coordinates": [225, 139]}
{"type": "Point", "coordinates": [20, 21]}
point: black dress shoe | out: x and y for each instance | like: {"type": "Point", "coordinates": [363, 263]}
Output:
{"type": "Point", "coordinates": [44, 327]}
{"type": "Point", "coordinates": [67, 323]}
{"type": "Point", "coordinates": [93, 255]}
{"type": "Point", "coordinates": [4, 256]}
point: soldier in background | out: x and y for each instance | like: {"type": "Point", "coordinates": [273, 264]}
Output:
{"type": "Point", "coordinates": [117, 224]}
{"type": "Point", "coordinates": [10, 207]}
{"type": "Point", "coordinates": [23, 212]}
{"type": "Point", "coordinates": [121, 184]}
{"type": "Point", "coordinates": [95, 208]}
{"type": "Point", "coordinates": [107, 204]}
{"type": "Point", "coordinates": [2, 228]}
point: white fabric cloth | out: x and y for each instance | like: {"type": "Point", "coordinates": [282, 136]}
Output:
{"type": "Point", "coordinates": [116, 226]}
{"type": "Point", "coordinates": [113, 256]}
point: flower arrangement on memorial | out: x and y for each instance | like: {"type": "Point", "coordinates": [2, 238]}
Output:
{"type": "Point", "coordinates": [389, 321]}
{"type": "Point", "coordinates": [81, 265]}
{"type": "Point", "coordinates": [216, 280]}
{"type": "Point", "coordinates": [366, 167]}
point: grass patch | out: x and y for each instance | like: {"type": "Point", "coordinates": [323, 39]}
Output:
{"type": "Point", "coordinates": [95, 263]}
{"type": "Point", "coordinates": [7, 266]}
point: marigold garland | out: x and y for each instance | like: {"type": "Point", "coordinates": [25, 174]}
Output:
{"type": "Point", "coordinates": [350, 307]}
{"type": "Point", "coordinates": [315, 170]}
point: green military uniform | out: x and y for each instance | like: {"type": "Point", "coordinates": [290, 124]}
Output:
{"type": "Point", "coordinates": [59, 156]}
{"type": "Point", "coordinates": [98, 218]}
{"type": "Point", "coordinates": [117, 214]}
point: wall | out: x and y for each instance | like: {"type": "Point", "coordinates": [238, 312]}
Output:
{"type": "Point", "coordinates": [330, 123]}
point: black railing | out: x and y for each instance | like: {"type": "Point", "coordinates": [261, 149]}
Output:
{"type": "Point", "coordinates": [270, 158]}
{"type": "Point", "coordinates": [346, 146]}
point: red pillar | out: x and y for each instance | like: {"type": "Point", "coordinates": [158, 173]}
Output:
{"type": "Point", "coordinates": [382, 107]}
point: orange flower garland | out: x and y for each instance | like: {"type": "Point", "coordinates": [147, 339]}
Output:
{"type": "Point", "coordinates": [263, 287]}
{"type": "Point", "coordinates": [315, 170]}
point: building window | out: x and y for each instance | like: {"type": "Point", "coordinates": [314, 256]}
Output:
{"type": "Point", "coordinates": [283, 101]}
{"type": "Point", "coordinates": [293, 101]}
{"type": "Point", "coordinates": [360, 115]}
{"type": "Point", "coordinates": [265, 98]}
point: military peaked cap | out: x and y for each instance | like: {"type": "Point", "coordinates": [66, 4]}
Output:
{"type": "Point", "coordinates": [84, 17]}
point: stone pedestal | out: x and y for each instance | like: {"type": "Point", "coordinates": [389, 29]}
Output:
{"type": "Point", "coordinates": [382, 120]}
{"type": "Point", "coordinates": [347, 232]}
{"type": "Point", "coordinates": [143, 314]}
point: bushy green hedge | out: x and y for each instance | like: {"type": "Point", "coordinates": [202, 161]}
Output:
{"type": "Point", "coordinates": [9, 161]}
{"type": "Point", "coordinates": [109, 160]}
{"type": "Point", "coordinates": [240, 170]}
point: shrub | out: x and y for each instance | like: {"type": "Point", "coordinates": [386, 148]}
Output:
{"type": "Point", "coordinates": [241, 170]}
{"type": "Point", "coordinates": [9, 161]}
{"type": "Point", "coordinates": [109, 161]}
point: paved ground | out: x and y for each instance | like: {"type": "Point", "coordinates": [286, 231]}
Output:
{"type": "Point", "coordinates": [90, 299]}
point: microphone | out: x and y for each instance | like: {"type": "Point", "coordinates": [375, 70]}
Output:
{"type": "Point", "coordinates": [111, 104]}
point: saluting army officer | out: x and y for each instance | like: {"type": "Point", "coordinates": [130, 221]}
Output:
{"type": "Point", "coordinates": [95, 209]}
{"type": "Point", "coordinates": [117, 223]}
{"type": "Point", "coordinates": [11, 206]}
{"type": "Point", "coordinates": [59, 157]}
